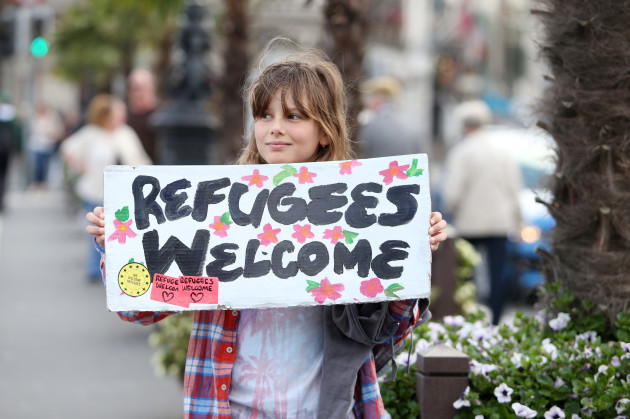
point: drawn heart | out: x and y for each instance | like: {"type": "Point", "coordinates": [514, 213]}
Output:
{"type": "Point", "coordinates": [167, 296]}
{"type": "Point", "coordinates": [196, 297]}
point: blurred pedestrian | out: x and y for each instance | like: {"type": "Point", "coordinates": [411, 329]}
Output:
{"type": "Point", "coordinates": [45, 133]}
{"type": "Point", "coordinates": [105, 140]}
{"type": "Point", "coordinates": [142, 99]}
{"type": "Point", "coordinates": [481, 191]}
{"type": "Point", "coordinates": [10, 136]}
{"type": "Point", "coordinates": [388, 130]}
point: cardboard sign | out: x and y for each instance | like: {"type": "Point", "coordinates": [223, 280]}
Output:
{"type": "Point", "coordinates": [207, 237]}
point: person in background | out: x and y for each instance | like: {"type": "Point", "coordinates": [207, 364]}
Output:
{"type": "Point", "coordinates": [142, 99]}
{"type": "Point", "coordinates": [45, 133]}
{"type": "Point", "coordinates": [481, 192]}
{"type": "Point", "coordinates": [388, 131]}
{"type": "Point", "coordinates": [105, 140]}
{"type": "Point", "coordinates": [9, 140]}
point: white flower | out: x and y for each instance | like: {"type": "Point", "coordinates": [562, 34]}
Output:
{"type": "Point", "coordinates": [422, 345]}
{"type": "Point", "coordinates": [587, 336]}
{"type": "Point", "coordinates": [479, 417]}
{"type": "Point", "coordinates": [541, 317]}
{"type": "Point", "coordinates": [560, 322]}
{"type": "Point", "coordinates": [615, 361]}
{"type": "Point", "coordinates": [555, 413]}
{"type": "Point", "coordinates": [626, 347]}
{"type": "Point", "coordinates": [523, 411]}
{"type": "Point", "coordinates": [461, 402]}
{"type": "Point", "coordinates": [550, 348]}
{"type": "Point", "coordinates": [406, 358]}
{"type": "Point", "coordinates": [454, 321]}
{"type": "Point", "coordinates": [559, 383]}
{"type": "Point", "coordinates": [621, 405]}
{"type": "Point", "coordinates": [516, 359]}
{"type": "Point", "coordinates": [503, 393]}
{"type": "Point", "coordinates": [587, 411]}
{"type": "Point", "coordinates": [602, 369]}
{"type": "Point", "coordinates": [574, 416]}
{"type": "Point", "coordinates": [481, 369]}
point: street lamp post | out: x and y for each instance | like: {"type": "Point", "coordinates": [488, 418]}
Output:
{"type": "Point", "coordinates": [184, 131]}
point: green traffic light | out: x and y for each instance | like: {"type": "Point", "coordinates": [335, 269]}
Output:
{"type": "Point", "coordinates": [39, 47]}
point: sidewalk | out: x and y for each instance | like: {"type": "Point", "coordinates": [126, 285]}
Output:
{"type": "Point", "coordinates": [62, 354]}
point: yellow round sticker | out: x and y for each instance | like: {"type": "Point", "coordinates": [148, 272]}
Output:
{"type": "Point", "coordinates": [134, 279]}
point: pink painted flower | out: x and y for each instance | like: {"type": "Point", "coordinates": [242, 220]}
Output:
{"type": "Point", "coordinates": [302, 232]}
{"type": "Point", "coordinates": [123, 230]}
{"type": "Point", "coordinates": [327, 290]}
{"type": "Point", "coordinates": [394, 171]}
{"type": "Point", "coordinates": [305, 176]}
{"type": "Point", "coordinates": [345, 167]}
{"type": "Point", "coordinates": [255, 179]}
{"type": "Point", "coordinates": [334, 235]}
{"type": "Point", "coordinates": [220, 228]}
{"type": "Point", "coordinates": [269, 235]}
{"type": "Point", "coordinates": [371, 288]}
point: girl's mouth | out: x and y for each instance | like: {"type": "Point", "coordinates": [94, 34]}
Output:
{"type": "Point", "coordinates": [277, 145]}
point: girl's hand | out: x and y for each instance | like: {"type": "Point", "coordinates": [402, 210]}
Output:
{"type": "Point", "coordinates": [435, 231]}
{"type": "Point", "coordinates": [97, 227]}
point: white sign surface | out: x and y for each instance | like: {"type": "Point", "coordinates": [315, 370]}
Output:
{"type": "Point", "coordinates": [207, 237]}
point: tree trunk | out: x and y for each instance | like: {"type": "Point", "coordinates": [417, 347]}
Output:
{"type": "Point", "coordinates": [347, 25]}
{"type": "Point", "coordinates": [235, 28]}
{"type": "Point", "coordinates": [587, 112]}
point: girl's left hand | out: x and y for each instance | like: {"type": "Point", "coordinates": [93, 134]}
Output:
{"type": "Point", "coordinates": [435, 231]}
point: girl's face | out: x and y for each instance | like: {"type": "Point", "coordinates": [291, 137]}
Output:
{"type": "Point", "coordinates": [287, 138]}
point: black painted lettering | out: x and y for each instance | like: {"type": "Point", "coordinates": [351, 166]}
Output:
{"type": "Point", "coordinates": [390, 252]}
{"type": "Point", "coordinates": [238, 216]}
{"type": "Point", "coordinates": [313, 258]}
{"type": "Point", "coordinates": [174, 201]}
{"type": "Point", "coordinates": [406, 205]}
{"type": "Point", "coordinates": [223, 258]}
{"type": "Point", "coordinates": [146, 205]}
{"type": "Point", "coordinates": [190, 260]}
{"type": "Point", "coordinates": [285, 246]}
{"type": "Point", "coordinates": [205, 196]}
{"type": "Point", "coordinates": [356, 214]}
{"type": "Point", "coordinates": [282, 196]}
{"type": "Point", "coordinates": [255, 269]}
{"type": "Point", "coordinates": [361, 255]}
{"type": "Point", "coordinates": [323, 202]}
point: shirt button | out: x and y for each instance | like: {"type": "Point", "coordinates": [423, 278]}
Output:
{"type": "Point", "coordinates": [229, 349]}
{"type": "Point", "coordinates": [234, 313]}
{"type": "Point", "coordinates": [223, 387]}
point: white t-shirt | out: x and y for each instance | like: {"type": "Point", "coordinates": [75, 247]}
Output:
{"type": "Point", "coordinates": [278, 366]}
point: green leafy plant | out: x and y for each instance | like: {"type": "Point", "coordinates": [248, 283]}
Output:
{"type": "Point", "coordinates": [171, 338]}
{"type": "Point", "coordinates": [560, 363]}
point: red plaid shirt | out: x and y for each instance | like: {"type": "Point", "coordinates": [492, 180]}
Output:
{"type": "Point", "coordinates": [212, 351]}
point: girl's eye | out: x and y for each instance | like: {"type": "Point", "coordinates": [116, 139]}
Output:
{"type": "Point", "coordinates": [294, 116]}
{"type": "Point", "coordinates": [265, 116]}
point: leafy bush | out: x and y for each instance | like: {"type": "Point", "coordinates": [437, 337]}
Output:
{"type": "Point", "coordinates": [171, 338]}
{"type": "Point", "coordinates": [553, 365]}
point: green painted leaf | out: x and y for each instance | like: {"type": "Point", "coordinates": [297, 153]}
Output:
{"type": "Point", "coordinates": [225, 218]}
{"type": "Point", "coordinates": [390, 294]}
{"type": "Point", "coordinates": [122, 214]}
{"type": "Point", "coordinates": [349, 236]}
{"type": "Point", "coordinates": [312, 285]}
{"type": "Point", "coordinates": [130, 260]}
{"type": "Point", "coordinates": [413, 170]}
{"type": "Point", "coordinates": [391, 290]}
{"type": "Point", "coordinates": [285, 173]}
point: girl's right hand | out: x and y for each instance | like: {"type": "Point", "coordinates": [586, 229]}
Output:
{"type": "Point", "coordinates": [97, 226]}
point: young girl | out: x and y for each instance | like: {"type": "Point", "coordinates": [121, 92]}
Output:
{"type": "Point", "coordinates": [306, 362]}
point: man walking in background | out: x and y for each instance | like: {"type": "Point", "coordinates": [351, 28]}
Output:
{"type": "Point", "coordinates": [141, 93]}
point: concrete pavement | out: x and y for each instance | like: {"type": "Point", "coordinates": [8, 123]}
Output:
{"type": "Point", "coordinates": [62, 354]}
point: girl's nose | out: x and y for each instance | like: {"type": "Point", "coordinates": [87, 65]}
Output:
{"type": "Point", "coordinates": [277, 128]}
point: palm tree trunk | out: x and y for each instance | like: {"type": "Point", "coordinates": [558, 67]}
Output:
{"type": "Point", "coordinates": [236, 29]}
{"type": "Point", "coordinates": [587, 112]}
{"type": "Point", "coordinates": [347, 25]}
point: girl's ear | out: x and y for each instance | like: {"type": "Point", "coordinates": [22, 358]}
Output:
{"type": "Point", "coordinates": [324, 140]}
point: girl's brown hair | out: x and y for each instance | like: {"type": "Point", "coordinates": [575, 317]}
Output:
{"type": "Point", "coordinates": [100, 109]}
{"type": "Point", "coordinates": [316, 87]}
